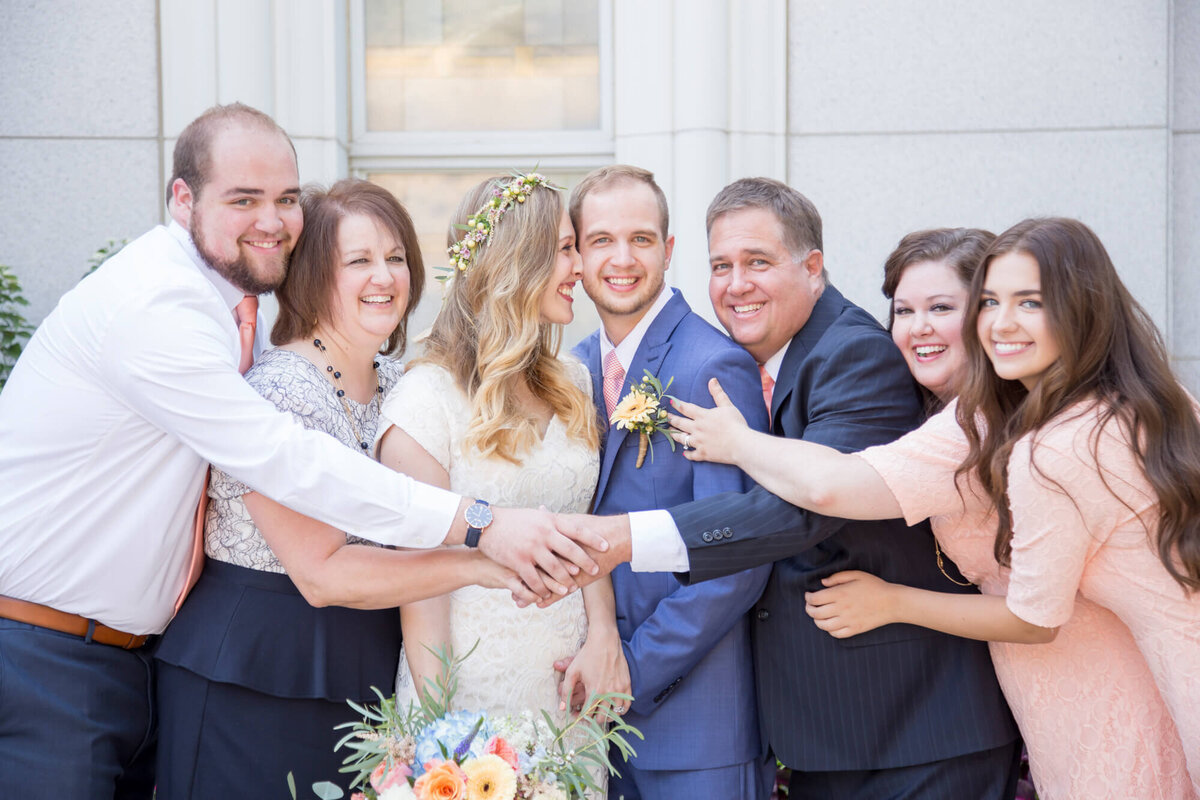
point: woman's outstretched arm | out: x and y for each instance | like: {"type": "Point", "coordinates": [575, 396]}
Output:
{"type": "Point", "coordinates": [854, 602]}
{"type": "Point", "coordinates": [330, 572]}
{"type": "Point", "coordinates": [806, 474]}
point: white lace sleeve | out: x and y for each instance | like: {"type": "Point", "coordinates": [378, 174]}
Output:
{"type": "Point", "coordinates": [579, 374]}
{"type": "Point", "coordinates": [421, 404]}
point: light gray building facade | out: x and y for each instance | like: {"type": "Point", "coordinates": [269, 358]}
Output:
{"type": "Point", "coordinates": [892, 115]}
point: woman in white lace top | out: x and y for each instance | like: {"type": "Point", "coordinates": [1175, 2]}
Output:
{"type": "Point", "coordinates": [490, 410]}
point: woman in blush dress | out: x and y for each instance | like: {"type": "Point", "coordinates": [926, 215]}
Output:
{"type": "Point", "coordinates": [256, 668]}
{"type": "Point", "coordinates": [1087, 702]}
{"type": "Point", "coordinates": [491, 410]}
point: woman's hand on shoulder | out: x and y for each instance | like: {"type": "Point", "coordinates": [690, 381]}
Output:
{"type": "Point", "coordinates": [710, 434]}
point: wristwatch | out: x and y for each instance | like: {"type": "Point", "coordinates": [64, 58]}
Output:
{"type": "Point", "coordinates": [478, 516]}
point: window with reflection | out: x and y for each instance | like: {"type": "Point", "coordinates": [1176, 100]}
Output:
{"type": "Point", "coordinates": [482, 65]}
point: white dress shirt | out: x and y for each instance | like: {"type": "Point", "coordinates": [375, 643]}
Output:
{"type": "Point", "coordinates": [122, 398]}
{"type": "Point", "coordinates": [655, 542]}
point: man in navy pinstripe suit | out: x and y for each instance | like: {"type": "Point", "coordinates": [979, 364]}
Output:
{"type": "Point", "coordinates": [899, 712]}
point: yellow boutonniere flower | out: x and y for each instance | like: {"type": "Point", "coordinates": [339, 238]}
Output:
{"type": "Point", "coordinates": [641, 411]}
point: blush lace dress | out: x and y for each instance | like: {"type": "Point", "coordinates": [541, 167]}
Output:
{"type": "Point", "coordinates": [1087, 704]}
{"type": "Point", "coordinates": [512, 668]}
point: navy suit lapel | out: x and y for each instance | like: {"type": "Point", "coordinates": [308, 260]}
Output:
{"type": "Point", "coordinates": [825, 311]}
{"type": "Point", "coordinates": [649, 356]}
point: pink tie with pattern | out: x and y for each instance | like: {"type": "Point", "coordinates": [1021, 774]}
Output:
{"type": "Point", "coordinates": [614, 376]}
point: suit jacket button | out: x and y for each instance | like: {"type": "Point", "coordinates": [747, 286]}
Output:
{"type": "Point", "coordinates": [727, 533]}
{"type": "Point", "coordinates": [706, 536]}
{"type": "Point", "coordinates": [762, 614]}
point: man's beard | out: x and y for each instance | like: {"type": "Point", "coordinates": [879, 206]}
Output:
{"type": "Point", "coordinates": [237, 271]}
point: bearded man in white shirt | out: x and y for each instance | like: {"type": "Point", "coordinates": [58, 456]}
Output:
{"type": "Point", "coordinates": [125, 394]}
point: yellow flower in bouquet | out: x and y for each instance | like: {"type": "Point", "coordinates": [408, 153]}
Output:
{"type": "Point", "coordinates": [641, 412]}
{"type": "Point", "coordinates": [490, 777]}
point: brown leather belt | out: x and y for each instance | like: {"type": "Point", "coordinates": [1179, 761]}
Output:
{"type": "Point", "coordinates": [55, 620]}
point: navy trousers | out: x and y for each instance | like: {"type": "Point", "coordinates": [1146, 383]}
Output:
{"type": "Point", "coordinates": [76, 717]}
{"type": "Point", "coordinates": [752, 780]}
{"type": "Point", "coordinates": [986, 775]}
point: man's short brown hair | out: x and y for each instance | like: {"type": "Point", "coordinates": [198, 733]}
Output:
{"type": "Point", "coordinates": [796, 214]}
{"type": "Point", "coordinates": [611, 175]}
{"type": "Point", "coordinates": [192, 161]}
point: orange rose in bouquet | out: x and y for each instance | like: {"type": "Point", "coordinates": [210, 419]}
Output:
{"type": "Point", "coordinates": [444, 781]}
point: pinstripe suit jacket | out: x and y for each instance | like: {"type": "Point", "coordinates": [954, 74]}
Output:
{"type": "Point", "coordinates": [896, 696]}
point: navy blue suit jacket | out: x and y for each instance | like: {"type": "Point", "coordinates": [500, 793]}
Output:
{"type": "Point", "coordinates": [896, 696]}
{"type": "Point", "coordinates": [688, 647]}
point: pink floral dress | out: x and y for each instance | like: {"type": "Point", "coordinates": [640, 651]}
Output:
{"type": "Point", "coordinates": [1087, 704]}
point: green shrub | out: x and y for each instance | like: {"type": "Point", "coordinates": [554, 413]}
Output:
{"type": "Point", "coordinates": [15, 330]}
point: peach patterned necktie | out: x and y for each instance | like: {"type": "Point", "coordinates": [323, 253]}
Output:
{"type": "Point", "coordinates": [768, 384]}
{"type": "Point", "coordinates": [246, 313]}
{"type": "Point", "coordinates": [614, 376]}
{"type": "Point", "coordinates": [247, 318]}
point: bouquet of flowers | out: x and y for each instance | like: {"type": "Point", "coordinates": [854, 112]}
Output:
{"type": "Point", "coordinates": [428, 751]}
{"type": "Point", "coordinates": [641, 412]}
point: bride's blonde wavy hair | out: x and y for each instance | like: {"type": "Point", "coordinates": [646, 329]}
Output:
{"type": "Point", "coordinates": [489, 334]}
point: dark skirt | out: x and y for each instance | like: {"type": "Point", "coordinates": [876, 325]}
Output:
{"type": "Point", "coordinates": [252, 680]}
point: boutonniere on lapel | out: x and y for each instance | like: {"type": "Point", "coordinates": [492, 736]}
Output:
{"type": "Point", "coordinates": [641, 411]}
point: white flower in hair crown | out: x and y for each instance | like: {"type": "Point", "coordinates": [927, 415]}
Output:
{"type": "Point", "coordinates": [483, 222]}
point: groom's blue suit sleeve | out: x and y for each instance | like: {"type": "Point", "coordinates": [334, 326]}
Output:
{"type": "Point", "coordinates": [688, 623]}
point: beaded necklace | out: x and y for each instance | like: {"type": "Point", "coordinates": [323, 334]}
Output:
{"type": "Point", "coordinates": [341, 392]}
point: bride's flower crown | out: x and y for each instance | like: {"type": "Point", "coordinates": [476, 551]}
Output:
{"type": "Point", "coordinates": [483, 222]}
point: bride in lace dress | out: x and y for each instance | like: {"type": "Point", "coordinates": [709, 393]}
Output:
{"type": "Point", "coordinates": [491, 412]}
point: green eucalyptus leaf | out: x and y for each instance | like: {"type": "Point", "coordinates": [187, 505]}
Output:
{"type": "Point", "coordinates": [327, 791]}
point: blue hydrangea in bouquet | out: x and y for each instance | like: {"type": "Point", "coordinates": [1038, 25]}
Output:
{"type": "Point", "coordinates": [429, 751]}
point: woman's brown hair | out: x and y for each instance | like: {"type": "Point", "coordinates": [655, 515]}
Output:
{"type": "Point", "coordinates": [306, 296]}
{"type": "Point", "coordinates": [1111, 353]}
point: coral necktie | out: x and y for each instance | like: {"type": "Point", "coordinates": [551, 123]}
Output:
{"type": "Point", "coordinates": [614, 376]}
{"type": "Point", "coordinates": [768, 384]}
{"type": "Point", "coordinates": [246, 313]}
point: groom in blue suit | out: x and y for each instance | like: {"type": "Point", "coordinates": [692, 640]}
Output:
{"type": "Point", "coordinates": [688, 647]}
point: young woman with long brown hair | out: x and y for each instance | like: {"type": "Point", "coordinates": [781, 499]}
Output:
{"type": "Point", "coordinates": [1071, 433]}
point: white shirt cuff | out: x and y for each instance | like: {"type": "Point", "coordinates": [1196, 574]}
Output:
{"type": "Point", "coordinates": [655, 543]}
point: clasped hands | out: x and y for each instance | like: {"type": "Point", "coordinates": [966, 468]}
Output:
{"type": "Point", "coordinates": [550, 555]}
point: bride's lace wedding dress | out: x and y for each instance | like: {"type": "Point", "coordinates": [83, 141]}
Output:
{"type": "Point", "coordinates": [512, 666]}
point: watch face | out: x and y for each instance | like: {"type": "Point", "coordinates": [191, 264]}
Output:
{"type": "Point", "coordinates": [478, 515]}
